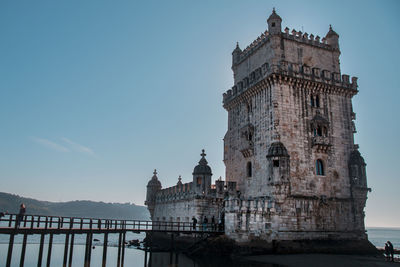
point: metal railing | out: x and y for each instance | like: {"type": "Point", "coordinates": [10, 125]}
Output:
{"type": "Point", "coordinates": [43, 222]}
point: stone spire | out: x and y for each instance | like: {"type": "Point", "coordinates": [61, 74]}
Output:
{"type": "Point", "coordinates": [236, 54]}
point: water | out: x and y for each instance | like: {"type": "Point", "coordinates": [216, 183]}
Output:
{"type": "Point", "coordinates": [135, 257]}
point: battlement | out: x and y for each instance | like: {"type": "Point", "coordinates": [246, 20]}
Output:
{"type": "Point", "coordinates": [187, 191]}
{"type": "Point", "coordinates": [291, 70]}
{"type": "Point", "coordinates": [293, 35]}
{"type": "Point", "coordinates": [177, 192]}
{"type": "Point", "coordinates": [306, 39]}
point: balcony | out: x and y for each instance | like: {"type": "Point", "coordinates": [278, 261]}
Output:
{"type": "Point", "coordinates": [321, 143]}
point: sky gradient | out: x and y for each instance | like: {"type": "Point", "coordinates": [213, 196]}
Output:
{"type": "Point", "coordinates": [96, 94]}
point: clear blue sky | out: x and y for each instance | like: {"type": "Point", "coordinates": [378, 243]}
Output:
{"type": "Point", "coordinates": [96, 94]}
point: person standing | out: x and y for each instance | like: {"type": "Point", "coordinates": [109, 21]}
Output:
{"type": "Point", "coordinates": [205, 222]}
{"type": "Point", "coordinates": [387, 252]}
{"type": "Point", "coordinates": [21, 214]}
{"type": "Point", "coordinates": [194, 222]}
{"type": "Point", "coordinates": [213, 223]}
{"type": "Point", "coordinates": [391, 250]}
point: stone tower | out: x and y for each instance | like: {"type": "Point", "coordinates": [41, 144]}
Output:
{"type": "Point", "coordinates": [153, 187]}
{"type": "Point", "coordinates": [289, 145]}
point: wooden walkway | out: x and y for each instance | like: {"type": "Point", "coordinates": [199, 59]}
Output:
{"type": "Point", "coordinates": [12, 225]}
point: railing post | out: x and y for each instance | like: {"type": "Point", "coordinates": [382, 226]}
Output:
{"type": "Point", "coordinates": [10, 249]}
{"type": "Point", "coordinates": [21, 262]}
{"type": "Point", "coordinates": [71, 223]}
{"type": "Point", "coordinates": [81, 224]}
{"type": "Point", "coordinates": [66, 250]}
{"type": "Point", "coordinates": [119, 250]}
{"type": "Point", "coordinates": [40, 256]}
{"type": "Point", "coordinates": [45, 223]}
{"type": "Point", "coordinates": [105, 243]}
{"type": "Point", "coordinates": [123, 250]}
{"type": "Point", "coordinates": [71, 250]}
{"type": "Point", "coordinates": [32, 221]}
{"type": "Point", "coordinates": [49, 250]}
{"type": "Point", "coordinates": [10, 220]}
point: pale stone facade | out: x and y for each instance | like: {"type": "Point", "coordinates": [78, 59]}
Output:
{"type": "Point", "coordinates": [292, 168]}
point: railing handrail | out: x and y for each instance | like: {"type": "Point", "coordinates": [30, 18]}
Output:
{"type": "Point", "coordinates": [33, 222]}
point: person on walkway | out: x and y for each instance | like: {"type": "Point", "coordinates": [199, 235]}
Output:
{"type": "Point", "coordinates": [213, 223]}
{"type": "Point", "coordinates": [21, 214]}
{"type": "Point", "coordinates": [194, 220]}
{"type": "Point", "coordinates": [387, 251]}
{"type": "Point", "coordinates": [205, 222]}
{"type": "Point", "coordinates": [391, 250]}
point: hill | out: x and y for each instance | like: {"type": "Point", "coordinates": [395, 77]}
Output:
{"type": "Point", "coordinates": [78, 208]}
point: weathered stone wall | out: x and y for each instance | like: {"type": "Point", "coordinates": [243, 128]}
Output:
{"type": "Point", "coordinates": [184, 210]}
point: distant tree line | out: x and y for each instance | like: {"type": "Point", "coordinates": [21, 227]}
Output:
{"type": "Point", "coordinates": [79, 208]}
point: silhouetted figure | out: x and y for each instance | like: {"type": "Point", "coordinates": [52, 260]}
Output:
{"type": "Point", "coordinates": [205, 221]}
{"type": "Point", "coordinates": [213, 223]}
{"type": "Point", "coordinates": [21, 214]}
{"type": "Point", "coordinates": [391, 250]}
{"type": "Point", "coordinates": [194, 220]}
{"type": "Point", "coordinates": [387, 252]}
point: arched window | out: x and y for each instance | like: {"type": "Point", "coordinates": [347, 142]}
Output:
{"type": "Point", "coordinates": [312, 100]}
{"type": "Point", "coordinates": [249, 169]}
{"type": "Point", "coordinates": [317, 101]}
{"type": "Point", "coordinates": [319, 167]}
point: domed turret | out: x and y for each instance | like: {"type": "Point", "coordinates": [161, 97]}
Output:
{"type": "Point", "coordinates": [277, 149]}
{"type": "Point", "coordinates": [203, 167]}
{"type": "Point", "coordinates": [357, 171]}
{"type": "Point", "coordinates": [153, 186]}
{"type": "Point", "coordinates": [274, 23]}
{"type": "Point", "coordinates": [332, 38]}
{"type": "Point", "coordinates": [202, 176]}
{"type": "Point", "coordinates": [278, 164]}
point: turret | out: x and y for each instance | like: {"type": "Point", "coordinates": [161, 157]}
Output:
{"type": "Point", "coordinates": [278, 163]}
{"type": "Point", "coordinates": [274, 23]}
{"type": "Point", "coordinates": [236, 54]}
{"type": "Point", "coordinates": [202, 176]}
{"type": "Point", "coordinates": [332, 38]}
{"type": "Point", "coordinates": [153, 187]}
{"type": "Point", "coordinates": [357, 171]}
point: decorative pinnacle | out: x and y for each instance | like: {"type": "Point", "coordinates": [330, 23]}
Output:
{"type": "Point", "coordinates": [330, 26]}
{"type": "Point", "coordinates": [273, 10]}
{"type": "Point", "coordinates": [179, 178]}
{"type": "Point", "coordinates": [155, 172]}
{"type": "Point", "coordinates": [203, 154]}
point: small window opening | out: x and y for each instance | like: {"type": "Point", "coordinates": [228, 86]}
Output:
{"type": "Point", "coordinates": [275, 163]}
{"type": "Point", "coordinates": [198, 180]}
{"type": "Point", "coordinates": [319, 165]}
{"type": "Point", "coordinates": [317, 101]}
{"type": "Point", "coordinates": [249, 169]}
{"type": "Point", "coordinates": [312, 101]}
{"type": "Point", "coordinates": [250, 137]}
{"type": "Point", "coordinates": [273, 24]}
{"type": "Point", "coordinates": [319, 131]}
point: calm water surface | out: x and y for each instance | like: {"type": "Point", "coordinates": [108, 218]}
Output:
{"type": "Point", "coordinates": [135, 257]}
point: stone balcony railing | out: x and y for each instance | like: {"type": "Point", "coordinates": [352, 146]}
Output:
{"type": "Point", "coordinates": [247, 149]}
{"type": "Point", "coordinates": [321, 143]}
